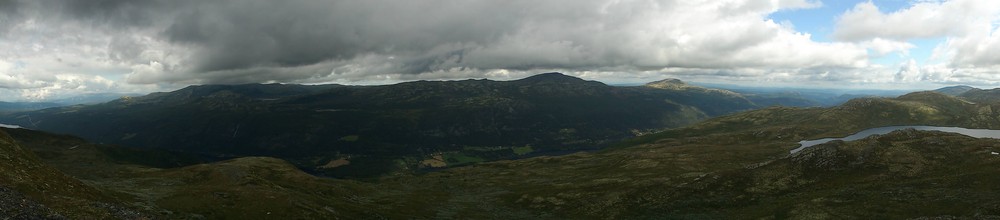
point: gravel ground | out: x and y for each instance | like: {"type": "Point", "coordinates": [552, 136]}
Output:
{"type": "Point", "coordinates": [13, 205]}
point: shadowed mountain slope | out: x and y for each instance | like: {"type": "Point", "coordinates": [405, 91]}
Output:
{"type": "Point", "coordinates": [379, 129]}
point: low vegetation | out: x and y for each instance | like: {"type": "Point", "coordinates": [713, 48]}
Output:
{"type": "Point", "coordinates": [733, 167]}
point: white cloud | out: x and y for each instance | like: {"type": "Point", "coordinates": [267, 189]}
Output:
{"type": "Point", "coordinates": [10, 78]}
{"type": "Point", "coordinates": [967, 55]}
{"type": "Point", "coordinates": [42, 57]}
{"type": "Point", "coordinates": [978, 50]}
{"type": "Point", "coordinates": [797, 4]}
{"type": "Point", "coordinates": [158, 44]}
{"type": "Point", "coordinates": [882, 47]}
{"type": "Point", "coordinates": [597, 35]}
{"type": "Point", "coordinates": [910, 72]}
{"type": "Point", "coordinates": [922, 20]}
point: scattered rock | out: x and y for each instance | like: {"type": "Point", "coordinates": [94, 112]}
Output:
{"type": "Point", "coordinates": [13, 205]}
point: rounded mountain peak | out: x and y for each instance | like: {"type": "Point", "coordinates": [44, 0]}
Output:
{"type": "Point", "coordinates": [553, 77]}
{"type": "Point", "coordinates": [670, 83]}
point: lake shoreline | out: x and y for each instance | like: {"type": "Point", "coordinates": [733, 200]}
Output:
{"type": "Point", "coordinates": [976, 133]}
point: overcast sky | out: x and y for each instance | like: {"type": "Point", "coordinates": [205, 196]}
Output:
{"type": "Point", "coordinates": [56, 48]}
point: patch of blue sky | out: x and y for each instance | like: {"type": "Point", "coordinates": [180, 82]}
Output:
{"type": "Point", "coordinates": [924, 49]}
{"type": "Point", "coordinates": [820, 21]}
{"type": "Point", "coordinates": [921, 53]}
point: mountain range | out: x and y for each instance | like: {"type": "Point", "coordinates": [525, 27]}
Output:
{"type": "Point", "coordinates": [365, 131]}
{"type": "Point", "coordinates": [85, 99]}
{"type": "Point", "coordinates": [735, 166]}
{"type": "Point", "coordinates": [26, 106]}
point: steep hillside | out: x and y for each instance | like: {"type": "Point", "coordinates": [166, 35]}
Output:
{"type": "Point", "coordinates": [366, 130]}
{"type": "Point", "coordinates": [30, 189]}
{"type": "Point", "coordinates": [84, 160]}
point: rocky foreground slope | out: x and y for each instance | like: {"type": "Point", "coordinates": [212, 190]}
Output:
{"type": "Point", "coordinates": [31, 189]}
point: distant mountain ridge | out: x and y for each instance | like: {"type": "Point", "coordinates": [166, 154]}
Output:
{"type": "Point", "coordinates": [669, 84]}
{"type": "Point", "coordinates": [25, 106]}
{"type": "Point", "coordinates": [412, 123]}
{"type": "Point", "coordinates": [84, 99]}
{"type": "Point", "coordinates": [917, 108]}
{"type": "Point", "coordinates": [552, 78]}
{"type": "Point", "coordinates": [93, 98]}
{"type": "Point", "coordinates": [955, 90]}
{"type": "Point", "coordinates": [971, 94]}
{"type": "Point", "coordinates": [714, 102]}
{"type": "Point", "coordinates": [982, 95]}
{"type": "Point", "coordinates": [465, 121]}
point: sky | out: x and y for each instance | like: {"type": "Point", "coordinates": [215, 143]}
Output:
{"type": "Point", "coordinates": [58, 48]}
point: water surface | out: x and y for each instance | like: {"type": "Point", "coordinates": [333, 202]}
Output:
{"type": "Point", "coordinates": [976, 133]}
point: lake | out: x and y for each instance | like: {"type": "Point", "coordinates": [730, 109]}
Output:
{"type": "Point", "coordinates": [976, 133]}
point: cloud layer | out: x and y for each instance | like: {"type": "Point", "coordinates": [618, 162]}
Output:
{"type": "Point", "coordinates": [927, 19]}
{"type": "Point", "coordinates": [322, 40]}
{"type": "Point", "coordinates": [67, 46]}
{"type": "Point", "coordinates": [968, 54]}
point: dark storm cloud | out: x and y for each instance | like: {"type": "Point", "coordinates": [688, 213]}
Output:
{"type": "Point", "coordinates": [9, 15]}
{"type": "Point", "coordinates": [293, 33]}
{"type": "Point", "coordinates": [222, 41]}
{"type": "Point", "coordinates": [118, 13]}
{"type": "Point", "coordinates": [243, 34]}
